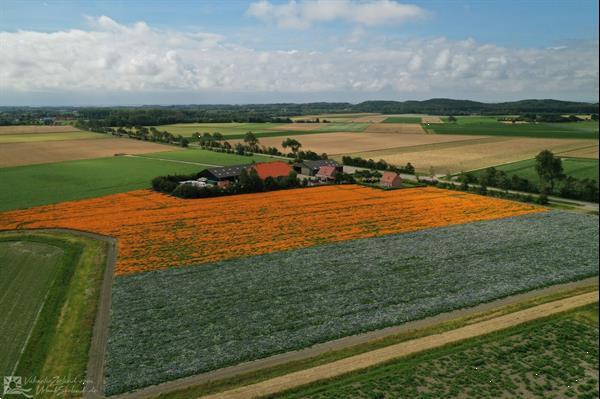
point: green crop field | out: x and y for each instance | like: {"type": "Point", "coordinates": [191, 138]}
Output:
{"type": "Point", "coordinates": [27, 270]}
{"type": "Point", "coordinates": [403, 119]}
{"type": "Point", "coordinates": [342, 127]}
{"type": "Point", "coordinates": [234, 311]}
{"type": "Point", "coordinates": [555, 357]}
{"type": "Point", "coordinates": [579, 168]}
{"type": "Point", "coordinates": [51, 285]}
{"type": "Point", "coordinates": [226, 129]}
{"type": "Point", "coordinates": [32, 185]}
{"type": "Point", "coordinates": [31, 137]}
{"type": "Point", "coordinates": [481, 126]}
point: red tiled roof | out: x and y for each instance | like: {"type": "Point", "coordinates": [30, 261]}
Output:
{"type": "Point", "coordinates": [388, 177]}
{"type": "Point", "coordinates": [273, 169]}
{"type": "Point", "coordinates": [328, 171]}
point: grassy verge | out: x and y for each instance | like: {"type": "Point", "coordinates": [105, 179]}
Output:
{"type": "Point", "coordinates": [265, 374]}
{"type": "Point", "coordinates": [549, 357]}
{"type": "Point", "coordinates": [60, 339]}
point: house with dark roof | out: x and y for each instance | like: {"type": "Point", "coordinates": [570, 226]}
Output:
{"type": "Point", "coordinates": [223, 173]}
{"type": "Point", "coordinates": [310, 168]}
{"type": "Point", "coordinates": [229, 174]}
{"type": "Point", "coordinates": [390, 179]}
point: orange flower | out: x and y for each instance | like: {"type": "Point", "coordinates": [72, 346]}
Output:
{"type": "Point", "coordinates": [156, 231]}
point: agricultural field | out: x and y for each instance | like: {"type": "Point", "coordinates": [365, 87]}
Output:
{"type": "Point", "coordinates": [33, 137]}
{"type": "Point", "coordinates": [489, 126]}
{"type": "Point", "coordinates": [24, 289]}
{"type": "Point", "coordinates": [163, 231]}
{"type": "Point", "coordinates": [38, 152]}
{"type": "Point", "coordinates": [465, 155]}
{"type": "Point", "coordinates": [550, 358]}
{"type": "Point", "coordinates": [585, 152]}
{"type": "Point", "coordinates": [578, 168]}
{"type": "Point", "coordinates": [34, 185]}
{"type": "Point", "coordinates": [341, 127]}
{"type": "Point", "coordinates": [36, 129]}
{"type": "Point", "coordinates": [348, 142]}
{"type": "Point", "coordinates": [399, 128]}
{"type": "Point", "coordinates": [226, 129]}
{"type": "Point", "coordinates": [51, 286]}
{"type": "Point", "coordinates": [293, 300]}
{"type": "Point", "coordinates": [403, 119]}
{"type": "Point", "coordinates": [354, 117]}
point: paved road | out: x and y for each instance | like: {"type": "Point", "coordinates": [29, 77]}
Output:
{"type": "Point", "coordinates": [378, 356]}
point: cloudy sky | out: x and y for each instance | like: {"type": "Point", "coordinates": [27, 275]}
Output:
{"type": "Point", "coordinates": [182, 52]}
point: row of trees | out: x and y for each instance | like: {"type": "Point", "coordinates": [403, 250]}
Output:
{"type": "Point", "coordinates": [552, 180]}
{"type": "Point", "coordinates": [377, 165]}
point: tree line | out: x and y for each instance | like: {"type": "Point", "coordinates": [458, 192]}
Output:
{"type": "Point", "coordinates": [552, 180]}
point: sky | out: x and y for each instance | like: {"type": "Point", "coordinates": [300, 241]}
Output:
{"type": "Point", "coordinates": [263, 51]}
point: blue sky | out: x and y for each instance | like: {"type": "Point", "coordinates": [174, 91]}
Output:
{"type": "Point", "coordinates": [198, 51]}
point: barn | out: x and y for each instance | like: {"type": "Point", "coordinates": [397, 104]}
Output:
{"type": "Point", "coordinates": [390, 179]}
{"type": "Point", "coordinates": [310, 168]}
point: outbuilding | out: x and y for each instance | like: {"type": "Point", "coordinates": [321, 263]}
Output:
{"type": "Point", "coordinates": [310, 168]}
{"type": "Point", "coordinates": [390, 179]}
{"type": "Point", "coordinates": [326, 173]}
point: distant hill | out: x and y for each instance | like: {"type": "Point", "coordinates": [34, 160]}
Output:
{"type": "Point", "coordinates": [447, 106]}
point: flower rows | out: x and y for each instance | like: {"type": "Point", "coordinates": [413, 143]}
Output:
{"type": "Point", "coordinates": [155, 231]}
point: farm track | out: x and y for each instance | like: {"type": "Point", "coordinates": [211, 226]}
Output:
{"type": "Point", "coordinates": [342, 343]}
{"type": "Point", "coordinates": [368, 359]}
{"type": "Point", "coordinates": [173, 160]}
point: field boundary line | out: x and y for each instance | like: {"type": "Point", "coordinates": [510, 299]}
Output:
{"type": "Point", "coordinates": [378, 356]}
{"type": "Point", "coordinates": [172, 160]}
{"type": "Point", "coordinates": [345, 342]}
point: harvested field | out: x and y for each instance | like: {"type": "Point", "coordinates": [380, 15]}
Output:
{"type": "Point", "coordinates": [475, 154]}
{"type": "Point", "coordinates": [30, 137]}
{"type": "Point", "coordinates": [156, 231]}
{"type": "Point", "coordinates": [16, 154]}
{"type": "Point", "coordinates": [302, 127]}
{"type": "Point", "coordinates": [349, 142]}
{"type": "Point", "coordinates": [239, 310]}
{"type": "Point", "coordinates": [33, 129]}
{"type": "Point", "coordinates": [401, 128]}
{"type": "Point", "coordinates": [431, 119]}
{"type": "Point", "coordinates": [586, 152]}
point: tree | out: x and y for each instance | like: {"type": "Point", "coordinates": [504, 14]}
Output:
{"type": "Point", "coordinates": [293, 144]}
{"type": "Point", "coordinates": [217, 136]}
{"type": "Point", "coordinates": [548, 167]}
{"type": "Point", "coordinates": [409, 168]}
{"type": "Point", "coordinates": [451, 119]}
{"type": "Point", "coordinates": [251, 139]}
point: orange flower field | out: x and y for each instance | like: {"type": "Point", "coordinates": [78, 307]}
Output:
{"type": "Point", "coordinates": [156, 231]}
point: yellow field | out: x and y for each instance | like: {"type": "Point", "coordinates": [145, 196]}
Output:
{"type": "Point", "coordinates": [15, 154]}
{"type": "Point", "coordinates": [348, 142]}
{"type": "Point", "coordinates": [475, 154]}
{"type": "Point", "coordinates": [31, 129]}
{"type": "Point", "coordinates": [402, 128]}
{"type": "Point", "coordinates": [586, 152]}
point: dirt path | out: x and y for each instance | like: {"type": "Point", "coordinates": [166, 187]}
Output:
{"type": "Point", "coordinates": [382, 355]}
{"type": "Point", "coordinates": [173, 160]}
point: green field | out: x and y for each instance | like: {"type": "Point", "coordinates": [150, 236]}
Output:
{"type": "Point", "coordinates": [342, 127]}
{"type": "Point", "coordinates": [27, 270]}
{"type": "Point", "coordinates": [32, 185]}
{"type": "Point", "coordinates": [56, 277]}
{"type": "Point", "coordinates": [31, 137]}
{"type": "Point", "coordinates": [489, 127]}
{"type": "Point", "coordinates": [555, 357]}
{"type": "Point", "coordinates": [403, 119]}
{"type": "Point", "coordinates": [579, 168]}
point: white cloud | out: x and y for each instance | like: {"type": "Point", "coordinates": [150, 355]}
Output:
{"type": "Point", "coordinates": [302, 14]}
{"type": "Point", "coordinates": [117, 58]}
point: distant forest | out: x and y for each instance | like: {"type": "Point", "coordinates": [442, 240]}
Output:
{"type": "Point", "coordinates": [161, 115]}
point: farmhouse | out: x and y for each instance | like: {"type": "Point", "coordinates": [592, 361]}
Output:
{"type": "Point", "coordinates": [390, 179]}
{"type": "Point", "coordinates": [272, 169]}
{"type": "Point", "coordinates": [310, 168]}
{"type": "Point", "coordinates": [223, 173]}
{"type": "Point", "coordinates": [326, 173]}
{"type": "Point", "coordinates": [226, 174]}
